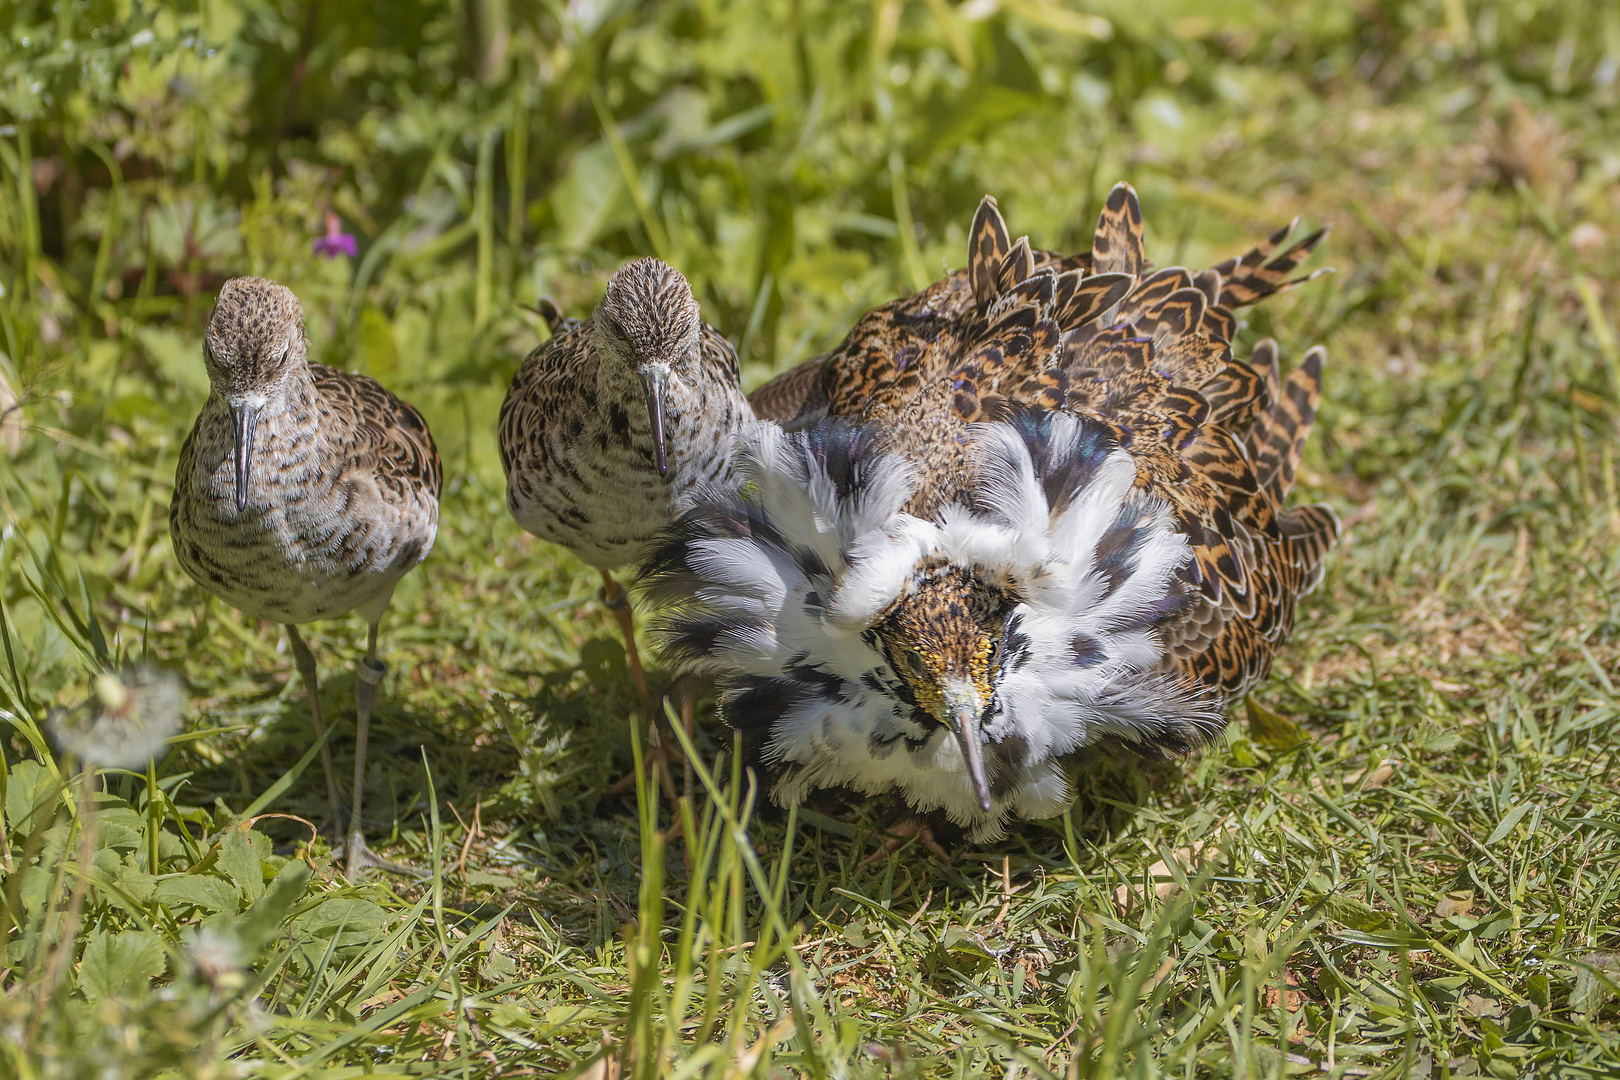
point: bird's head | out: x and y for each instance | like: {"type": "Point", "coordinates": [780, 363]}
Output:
{"type": "Point", "coordinates": [648, 323]}
{"type": "Point", "coordinates": [254, 342]}
{"type": "Point", "coordinates": [942, 640]}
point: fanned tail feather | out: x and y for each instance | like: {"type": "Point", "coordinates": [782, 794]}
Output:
{"type": "Point", "coordinates": [1261, 272]}
{"type": "Point", "coordinates": [1309, 533]}
{"type": "Point", "coordinates": [1278, 437]}
{"type": "Point", "coordinates": [988, 246]}
{"type": "Point", "coordinates": [1117, 246]}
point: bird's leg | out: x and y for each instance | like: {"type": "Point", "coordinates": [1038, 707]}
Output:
{"type": "Point", "coordinates": [899, 834]}
{"type": "Point", "coordinates": [618, 602]}
{"type": "Point", "coordinates": [367, 676]}
{"type": "Point", "coordinates": [658, 753]}
{"type": "Point", "coordinates": [683, 695]}
{"type": "Point", "coordinates": [305, 660]}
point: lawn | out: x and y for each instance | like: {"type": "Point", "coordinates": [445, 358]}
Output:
{"type": "Point", "coordinates": [1402, 860]}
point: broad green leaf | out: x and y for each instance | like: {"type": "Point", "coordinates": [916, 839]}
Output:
{"type": "Point", "coordinates": [378, 343]}
{"type": "Point", "coordinates": [964, 118]}
{"type": "Point", "coordinates": [498, 967]}
{"type": "Point", "coordinates": [1594, 984]}
{"type": "Point", "coordinates": [121, 965]}
{"type": "Point", "coordinates": [29, 790]}
{"type": "Point", "coordinates": [36, 880]}
{"type": "Point", "coordinates": [591, 197]}
{"type": "Point", "coordinates": [352, 920]}
{"type": "Point", "coordinates": [241, 855]}
{"type": "Point", "coordinates": [262, 922]}
{"type": "Point", "coordinates": [140, 885]}
{"type": "Point", "coordinates": [31, 894]}
{"type": "Point", "coordinates": [1442, 742]}
{"type": "Point", "coordinates": [197, 890]}
{"type": "Point", "coordinates": [178, 358]}
{"type": "Point", "coordinates": [1270, 728]}
{"type": "Point", "coordinates": [120, 828]}
{"type": "Point", "coordinates": [1348, 911]}
{"type": "Point", "coordinates": [1513, 817]}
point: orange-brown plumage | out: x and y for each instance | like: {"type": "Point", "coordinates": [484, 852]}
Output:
{"type": "Point", "coordinates": [1150, 356]}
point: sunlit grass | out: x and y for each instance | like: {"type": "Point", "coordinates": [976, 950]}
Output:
{"type": "Point", "coordinates": [1403, 860]}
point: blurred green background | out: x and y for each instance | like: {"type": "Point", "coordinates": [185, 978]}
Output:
{"type": "Point", "coordinates": [801, 161]}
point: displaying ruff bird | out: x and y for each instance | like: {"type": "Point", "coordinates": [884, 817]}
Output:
{"type": "Point", "coordinates": [614, 419]}
{"type": "Point", "coordinates": [1033, 509]}
{"type": "Point", "coordinates": [302, 493]}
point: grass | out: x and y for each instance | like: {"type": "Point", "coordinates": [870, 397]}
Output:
{"type": "Point", "coordinates": [1403, 860]}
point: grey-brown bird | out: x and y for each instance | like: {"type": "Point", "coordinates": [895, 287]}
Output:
{"type": "Point", "coordinates": [302, 493]}
{"type": "Point", "coordinates": [613, 419]}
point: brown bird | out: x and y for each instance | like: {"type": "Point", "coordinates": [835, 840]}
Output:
{"type": "Point", "coordinates": [302, 493]}
{"type": "Point", "coordinates": [1034, 508]}
{"type": "Point", "coordinates": [613, 420]}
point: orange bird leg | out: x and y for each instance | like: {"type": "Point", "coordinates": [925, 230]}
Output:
{"type": "Point", "coordinates": [618, 602]}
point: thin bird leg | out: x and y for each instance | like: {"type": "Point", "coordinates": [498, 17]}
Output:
{"type": "Point", "coordinates": [658, 753]}
{"type": "Point", "coordinates": [618, 602]}
{"type": "Point", "coordinates": [367, 676]}
{"type": "Point", "coordinates": [899, 834]}
{"type": "Point", "coordinates": [683, 693]}
{"type": "Point", "coordinates": [305, 660]}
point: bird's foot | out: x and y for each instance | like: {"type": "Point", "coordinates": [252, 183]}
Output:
{"type": "Point", "coordinates": [362, 858]}
{"type": "Point", "coordinates": [659, 758]}
{"type": "Point", "coordinates": [897, 836]}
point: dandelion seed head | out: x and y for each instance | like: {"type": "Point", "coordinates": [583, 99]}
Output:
{"type": "Point", "coordinates": [216, 958]}
{"type": "Point", "coordinates": [126, 721]}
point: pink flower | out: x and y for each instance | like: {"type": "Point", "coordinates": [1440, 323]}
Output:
{"type": "Point", "coordinates": [335, 242]}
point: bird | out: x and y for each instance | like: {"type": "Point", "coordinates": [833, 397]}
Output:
{"type": "Point", "coordinates": [1030, 512]}
{"type": "Point", "coordinates": [303, 493]}
{"type": "Point", "coordinates": [612, 420]}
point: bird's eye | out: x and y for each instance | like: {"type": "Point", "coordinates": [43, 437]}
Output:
{"type": "Point", "coordinates": [915, 661]}
{"type": "Point", "coordinates": [614, 325]}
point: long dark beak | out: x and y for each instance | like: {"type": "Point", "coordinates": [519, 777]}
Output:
{"type": "Point", "coordinates": [963, 707]}
{"type": "Point", "coordinates": [243, 420]}
{"type": "Point", "coordinates": [655, 380]}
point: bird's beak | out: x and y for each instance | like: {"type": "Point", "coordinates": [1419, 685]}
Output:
{"type": "Point", "coordinates": [655, 381]}
{"type": "Point", "coordinates": [963, 708]}
{"type": "Point", "coordinates": [244, 418]}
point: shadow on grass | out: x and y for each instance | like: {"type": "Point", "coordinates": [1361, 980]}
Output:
{"type": "Point", "coordinates": [474, 757]}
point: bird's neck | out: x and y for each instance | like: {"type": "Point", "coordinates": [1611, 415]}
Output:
{"type": "Point", "coordinates": [623, 402]}
{"type": "Point", "coordinates": [291, 406]}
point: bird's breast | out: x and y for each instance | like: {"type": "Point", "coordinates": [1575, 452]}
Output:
{"type": "Point", "coordinates": [318, 536]}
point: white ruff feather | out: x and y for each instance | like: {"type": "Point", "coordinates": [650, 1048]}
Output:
{"type": "Point", "coordinates": [777, 612]}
